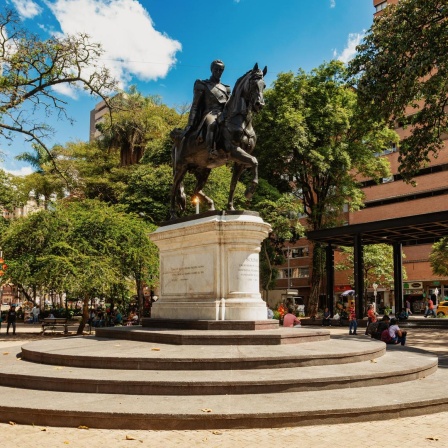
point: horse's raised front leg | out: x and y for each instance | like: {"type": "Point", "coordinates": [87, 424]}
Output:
{"type": "Point", "coordinates": [201, 179]}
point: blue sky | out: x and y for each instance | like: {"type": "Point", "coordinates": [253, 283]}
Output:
{"type": "Point", "coordinates": [162, 46]}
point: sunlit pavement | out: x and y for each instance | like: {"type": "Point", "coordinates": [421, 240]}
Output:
{"type": "Point", "coordinates": [423, 431]}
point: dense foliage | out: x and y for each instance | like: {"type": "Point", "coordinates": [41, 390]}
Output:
{"type": "Point", "coordinates": [313, 143]}
{"type": "Point", "coordinates": [85, 248]}
{"type": "Point", "coordinates": [439, 257]}
{"type": "Point", "coordinates": [378, 265]}
{"type": "Point", "coordinates": [401, 75]}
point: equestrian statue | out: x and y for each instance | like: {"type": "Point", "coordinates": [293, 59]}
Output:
{"type": "Point", "coordinates": [219, 130]}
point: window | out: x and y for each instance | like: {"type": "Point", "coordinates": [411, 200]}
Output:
{"type": "Point", "coordinates": [299, 252]}
{"type": "Point", "coordinates": [386, 180]}
{"type": "Point", "coordinates": [285, 273]}
{"type": "Point", "coordinates": [304, 272]}
{"type": "Point", "coordinates": [380, 6]}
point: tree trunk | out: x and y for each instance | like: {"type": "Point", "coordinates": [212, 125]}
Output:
{"type": "Point", "coordinates": [85, 315]}
{"type": "Point", "coordinates": [27, 296]}
{"type": "Point", "coordinates": [317, 274]}
{"type": "Point", "coordinates": [139, 285]}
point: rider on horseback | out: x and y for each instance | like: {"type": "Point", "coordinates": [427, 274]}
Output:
{"type": "Point", "coordinates": [209, 99]}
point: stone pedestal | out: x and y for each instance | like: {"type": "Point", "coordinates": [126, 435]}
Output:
{"type": "Point", "coordinates": [209, 268]}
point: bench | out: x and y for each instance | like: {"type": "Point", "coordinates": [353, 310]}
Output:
{"type": "Point", "coordinates": [53, 323]}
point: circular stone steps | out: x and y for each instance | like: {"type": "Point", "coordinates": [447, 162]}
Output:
{"type": "Point", "coordinates": [93, 352]}
{"type": "Point", "coordinates": [390, 368]}
{"type": "Point", "coordinates": [277, 336]}
{"type": "Point", "coordinates": [160, 412]}
{"type": "Point", "coordinates": [127, 384]}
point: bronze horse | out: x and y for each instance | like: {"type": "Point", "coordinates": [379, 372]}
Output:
{"type": "Point", "coordinates": [235, 142]}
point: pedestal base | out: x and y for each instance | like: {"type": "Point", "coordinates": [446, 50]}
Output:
{"type": "Point", "coordinates": [209, 268]}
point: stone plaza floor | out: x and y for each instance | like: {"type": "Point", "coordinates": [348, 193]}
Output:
{"type": "Point", "coordinates": [415, 432]}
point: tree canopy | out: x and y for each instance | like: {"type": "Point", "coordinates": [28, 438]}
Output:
{"type": "Point", "coordinates": [87, 248]}
{"type": "Point", "coordinates": [439, 257]}
{"type": "Point", "coordinates": [312, 141]}
{"type": "Point", "coordinates": [401, 74]}
{"type": "Point", "coordinates": [139, 123]}
{"type": "Point", "coordinates": [378, 265]}
{"type": "Point", "coordinates": [33, 69]}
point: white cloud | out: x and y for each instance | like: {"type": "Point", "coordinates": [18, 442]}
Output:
{"type": "Point", "coordinates": [349, 51]}
{"type": "Point", "coordinates": [24, 171]}
{"type": "Point", "coordinates": [133, 47]}
{"type": "Point", "coordinates": [27, 9]}
{"type": "Point", "coordinates": [332, 3]}
{"type": "Point", "coordinates": [67, 90]}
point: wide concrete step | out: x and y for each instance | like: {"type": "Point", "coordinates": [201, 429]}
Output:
{"type": "Point", "coordinates": [94, 352]}
{"type": "Point", "coordinates": [195, 324]}
{"type": "Point", "coordinates": [394, 367]}
{"type": "Point", "coordinates": [122, 411]}
{"type": "Point", "coordinates": [274, 336]}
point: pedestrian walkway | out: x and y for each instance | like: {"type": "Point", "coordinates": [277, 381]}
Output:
{"type": "Point", "coordinates": [416, 432]}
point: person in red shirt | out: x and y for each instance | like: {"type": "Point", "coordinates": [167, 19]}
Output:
{"type": "Point", "coordinates": [290, 319]}
{"type": "Point", "coordinates": [430, 309]}
{"type": "Point", "coordinates": [371, 317]}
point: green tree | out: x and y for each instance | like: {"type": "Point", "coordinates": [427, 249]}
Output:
{"type": "Point", "coordinates": [400, 72]}
{"type": "Point", "coordinates": [141, 259]}
{"type": "Point", "coordinates": [45, 182]}
{"type": "Point", "coordinates": [378, 265]}
{"type": "Point", "coordinates": [9, 194]}
{"type": "Point", "coordinates": [312, 141]}
{"type": "Point", "coordinates": [86, 248]}
{"type": "Point", "coordinates": [147, 192]}
{"type": "Point", "coordinates": [93, 172]}
{"type": "Point", "coordinates": [32, 67]}
{"type": "Point", "coordinates": [138, 124]}
{"type": "Point", "coordinates": [282, 214]}
{"type": "Point", "coordinates": [439, 257]}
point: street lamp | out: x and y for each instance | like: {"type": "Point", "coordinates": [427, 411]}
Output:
{"type": "Point", "coordinates": [375, 287]}
{"type": "Point", "coordinates": [196, 202]}
{"type": "Point", "coordinates": [288, 255]}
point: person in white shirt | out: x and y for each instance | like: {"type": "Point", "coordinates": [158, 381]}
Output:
{"type": "Point", "coordinates": [35, 312]}
{"type": "Point", "coordinates": [397, 335]}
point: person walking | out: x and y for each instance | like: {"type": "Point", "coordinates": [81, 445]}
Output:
{"type": "Point", "coordinates": [430, 309]}
{"type": "Point", "coordinates": [11, 319]}
{"type": "Point", "coordinates": [408, 308]}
